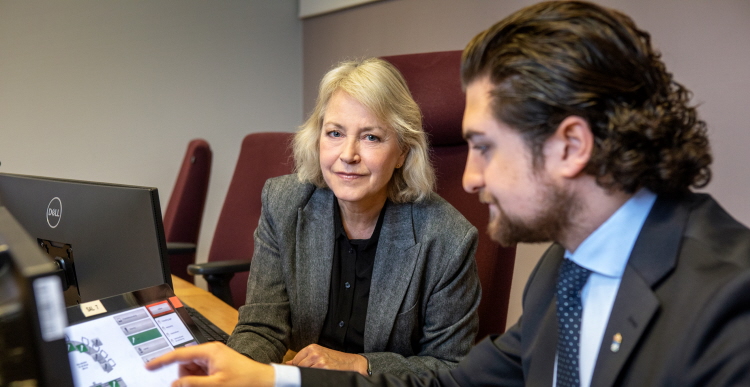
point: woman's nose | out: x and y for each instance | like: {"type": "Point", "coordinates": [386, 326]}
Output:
{"type": "Point", "coordinates": [350, 153]}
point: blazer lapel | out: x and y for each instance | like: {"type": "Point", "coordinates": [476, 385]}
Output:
{"type": "Point", "coordinates": [395, 260]}
{"type": "Point", "coordinates": [653, 257]}
{"type": "Point", "coordinates": [314, 257]}
{"type": "Point", "coordinates": [542, 351]}
{"type": "Point", "coordinates": [634, 308]}
{"type": "Point", "coordinates": [542, 357]}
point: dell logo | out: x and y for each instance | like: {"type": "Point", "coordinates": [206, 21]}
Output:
{"type": "Point", "coordinates": [54, 212]}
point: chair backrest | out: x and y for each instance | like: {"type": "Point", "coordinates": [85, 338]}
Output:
{"type": "Point", "coordinates": [433, 80]}
{"type": "Point", "coordinates": [182, 218]}
{"type": "Point", "coordinates": [262, 156]}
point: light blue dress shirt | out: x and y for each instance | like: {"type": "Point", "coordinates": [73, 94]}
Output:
{"type": "Point", "coordinates": [605, 252]}
{"type": "Point", "coordinates": [286, 376]}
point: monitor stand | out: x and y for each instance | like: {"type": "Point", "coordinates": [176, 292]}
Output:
{"type": "Point", "coordinates": [62, 254]}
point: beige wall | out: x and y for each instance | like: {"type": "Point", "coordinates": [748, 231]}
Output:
{"type": "Point", "coordinates": [114, 90]}
{"type": "Point", "coordinates": [704, 43]}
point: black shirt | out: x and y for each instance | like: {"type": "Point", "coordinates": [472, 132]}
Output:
{"type": "Point", "coordinates": [348, 295]}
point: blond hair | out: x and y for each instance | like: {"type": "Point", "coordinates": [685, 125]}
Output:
{"type": "Point", "coordinates": [381, 88]}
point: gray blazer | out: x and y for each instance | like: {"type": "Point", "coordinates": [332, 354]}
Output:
{"type": "Point", "coordinates": [422, 311]}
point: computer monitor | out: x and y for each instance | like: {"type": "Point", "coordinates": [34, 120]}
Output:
{"type": "Point", "coordinates": [33, 351]}
{"type": "Point", "coordinates": [108, 239]}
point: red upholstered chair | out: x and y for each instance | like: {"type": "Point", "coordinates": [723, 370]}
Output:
{"type": "Point", "coordinates": [433, 79]}
{"type": "Point", "coordinates": [182, 218]}
{"type": "Point", "coordinates": [262, 156]}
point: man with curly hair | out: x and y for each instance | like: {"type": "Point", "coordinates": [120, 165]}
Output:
{"type": "Point", "coordinates": [579, 135]}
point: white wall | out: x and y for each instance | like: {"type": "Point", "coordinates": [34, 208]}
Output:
{"type": "Point", "coordinates": [113, 90]}
{"type": "Point", "coordinates": [704, 43]}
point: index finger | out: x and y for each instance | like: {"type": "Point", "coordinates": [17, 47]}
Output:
{"type": "Point", "coordinates": [194, 354]}
{"type": "Point", "coordinates": [301, 355]}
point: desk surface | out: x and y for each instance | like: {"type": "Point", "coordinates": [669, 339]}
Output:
{"type": "Point", "coordinates": [214, 309]}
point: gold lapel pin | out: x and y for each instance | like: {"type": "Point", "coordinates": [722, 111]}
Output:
{"type": "Point", "coordinates": [616, 341]}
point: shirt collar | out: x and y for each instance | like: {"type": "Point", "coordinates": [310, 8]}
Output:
{"type": "Point", "coordinates": [338, 225]}
{"type": "Point", "coordinates": [607, 249]}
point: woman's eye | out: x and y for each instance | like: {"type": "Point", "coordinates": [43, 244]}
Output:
{"type": "Point", "coordinates": [334, 133]}
{"type": "Point", "coordinates": [372, 137]}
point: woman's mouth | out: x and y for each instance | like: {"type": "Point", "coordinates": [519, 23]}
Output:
{"type": "Point", "coordinates": [348, 176]}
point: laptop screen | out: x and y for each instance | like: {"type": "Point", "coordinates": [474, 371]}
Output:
{"type": "Point", "coordinates": [110, 340]}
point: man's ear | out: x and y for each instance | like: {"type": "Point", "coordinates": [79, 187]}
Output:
{"type": "Point", "coordinates": [569, 149]}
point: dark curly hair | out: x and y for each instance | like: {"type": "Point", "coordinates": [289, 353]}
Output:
{"type": "Point", "coordinates": [557, 59]}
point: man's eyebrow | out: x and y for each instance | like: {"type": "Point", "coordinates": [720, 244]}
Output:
{"type": "Point", "coordinates": [469, 134]}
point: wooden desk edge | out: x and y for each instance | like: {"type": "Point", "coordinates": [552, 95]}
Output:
{"type": "Point", "coordinates": [214, 309]}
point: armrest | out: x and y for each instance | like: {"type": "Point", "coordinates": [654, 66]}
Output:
{"type": "Point", "coordinates": [219, 267]}
{"type": "Point", "coordinates": [179, 248]}
{"type": "Point", "coordinates": [218, 274]}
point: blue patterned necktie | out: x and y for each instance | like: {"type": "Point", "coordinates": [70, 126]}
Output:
{"type": "Point", "coordinates": [570, 281]}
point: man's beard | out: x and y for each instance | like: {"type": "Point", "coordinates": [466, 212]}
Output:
{"type": "Point", "coordinates": [549, 224]}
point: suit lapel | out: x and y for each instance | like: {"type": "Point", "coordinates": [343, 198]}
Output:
{"type": "Point", "coordinates": [395, 260]}
{"type": "Point", "coordinates": [634, 308]}
{"type": "Point", "coordinates": [314, 257]}
{"type": "Point", "coordinates": [653, 257]}
{"type": "Point", "coordinates": [544, 350]}
{"type": "Point", "coordinates": [544, 346]}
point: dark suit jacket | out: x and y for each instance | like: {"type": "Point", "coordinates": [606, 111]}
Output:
{"type": "Point", "coordinates": [422, 310]}
{"type": "Point", "coordinates": [683, 311]}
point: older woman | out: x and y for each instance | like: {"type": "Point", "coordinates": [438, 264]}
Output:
{"type": "Point", "coordinates": [358, 264]}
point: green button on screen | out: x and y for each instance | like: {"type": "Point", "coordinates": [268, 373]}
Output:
{"type": "Point", "coordinates": [144, 336]}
